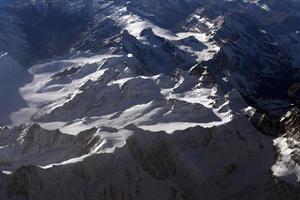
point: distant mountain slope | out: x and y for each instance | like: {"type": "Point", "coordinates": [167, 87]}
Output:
{"type": "Point", "coordinates": [12, 77]}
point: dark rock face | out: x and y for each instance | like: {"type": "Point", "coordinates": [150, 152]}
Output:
{"type": "Point", "coordinates": [48, 29]}
{"type": "Point", "coordinates": [294, 93]}
{"type": "Point", "coordinates": [164, 164]}
{"type": "Point", "coordinates": [291, 124]}
{"type": "Point", "coordinates": [163, 13]}
{"type": "Point", "coordinates": [159, 55]}
{"type": "Point", "coordinates": [267, 124]}
{"type": "Point", "coordinates": [259, 63]}
{"type": "Point", "coordinates": [12, 38]}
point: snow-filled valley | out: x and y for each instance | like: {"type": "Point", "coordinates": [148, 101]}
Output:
{"type": "Point", "coordinates": [149, 99]}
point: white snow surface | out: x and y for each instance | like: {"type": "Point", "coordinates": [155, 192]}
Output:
{"type": "Point", "coordinates": [285, 168]}
{"type": "Point", "coordinates": [145, 101]}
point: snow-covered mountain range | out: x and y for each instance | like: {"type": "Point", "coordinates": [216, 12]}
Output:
{"type": "Point", "coordinates": [149, 99]}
